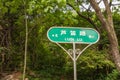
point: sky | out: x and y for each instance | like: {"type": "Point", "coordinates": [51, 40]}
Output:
{"type": "Point", "coordinates": [101, 5]}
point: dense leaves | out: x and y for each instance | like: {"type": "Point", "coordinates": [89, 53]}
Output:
{"type": "Point", "coordinates": [45, 59]}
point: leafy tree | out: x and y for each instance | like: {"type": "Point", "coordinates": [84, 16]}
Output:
{"type": "Point", "coordinates": [106, 21]}
{"type": "Point", "coordinates": [44, 58]}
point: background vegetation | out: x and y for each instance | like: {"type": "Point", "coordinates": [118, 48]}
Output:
{"type": "Point", "coordinates": [45, 60]}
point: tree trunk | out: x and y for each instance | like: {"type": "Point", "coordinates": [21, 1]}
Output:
{"type": "Point", "coordinates": [107, 24]}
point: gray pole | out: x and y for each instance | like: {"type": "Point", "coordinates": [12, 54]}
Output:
{"type": "Point", "coordinates": [74, 62]}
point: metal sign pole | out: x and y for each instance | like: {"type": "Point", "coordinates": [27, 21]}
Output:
{"type": "Point", "coordinates": [74, 62]}
{"type": "Point", "coordinates": [74, 57]}
{"type": "Point", "coordinates": [73, 35]}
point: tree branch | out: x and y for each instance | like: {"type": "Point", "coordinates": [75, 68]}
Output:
{"type": "Point", "coordinates": [109, 13]}
{"type": "Point", "coordinates": [1, 27]}
{"type": "Point", "coordinates": [98, 12]}
{"type": "Point", "coordinates": [84, 17]}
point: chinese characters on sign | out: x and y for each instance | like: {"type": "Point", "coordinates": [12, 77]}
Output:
{"type": "Point", "coordinates": [71, 34]}
{"type": "Point", "coordinates": [63, 32]}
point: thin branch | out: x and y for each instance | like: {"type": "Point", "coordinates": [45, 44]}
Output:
{"type": "Point", "coordinates": [77, 11]}
{"type": "Point", "coordinates": [89, 8]}
{"type": "Point", "coordinates": [84, 7]}
{"type": "Point", "coordinates": [99, 2]}
{"type": "Point", "coordinates": [26, 41]}
{"type": "Point", "coordinates": [1, 27]}
{"type": "Point", "coordinates": [84, 17]}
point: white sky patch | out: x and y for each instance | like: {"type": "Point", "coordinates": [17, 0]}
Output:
{"type": "Point", "coordinates": [84, 7]}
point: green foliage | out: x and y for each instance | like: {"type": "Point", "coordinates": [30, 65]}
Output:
{"type": "Point", "coordinates": [46, 59]}
{"type": "Point", "coordinates": [114, 75]}
{"type": "Point", "coordinates": [92, 65]}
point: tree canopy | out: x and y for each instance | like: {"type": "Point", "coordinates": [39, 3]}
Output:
{"type": "Point", "coordinates": [46, 60]}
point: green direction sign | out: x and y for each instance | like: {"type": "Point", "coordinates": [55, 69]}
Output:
{"type": "Point", "coordinates": [73, 35]}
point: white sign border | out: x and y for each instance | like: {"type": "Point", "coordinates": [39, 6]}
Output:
{"type": "Point", "coordinates": [75, 28]}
